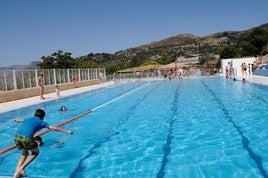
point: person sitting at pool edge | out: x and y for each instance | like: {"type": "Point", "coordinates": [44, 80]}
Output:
{"type": "Point", "coordinates": [63, 108]}
{"type": "Point", "coordinates": [25, 142]}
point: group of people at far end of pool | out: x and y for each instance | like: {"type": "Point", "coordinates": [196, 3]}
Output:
{"type": "Point", "coordinates": [230, 72]}
{"type": "Point", "coordinates": [26, 141]}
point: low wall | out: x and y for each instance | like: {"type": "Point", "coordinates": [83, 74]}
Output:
{"type": "Point", "coordinates": [30, 92]}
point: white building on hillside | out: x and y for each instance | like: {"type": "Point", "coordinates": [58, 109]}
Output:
{"type": "Point", "coordinates": [194, 58]}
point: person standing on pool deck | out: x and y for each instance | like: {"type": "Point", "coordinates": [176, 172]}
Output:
{"type": "Point", "coordinates": [41, 86]}
{"type": "Point", "coordinates": [57, 89]}
{"type": "Point", "coordinates": [25, 141]}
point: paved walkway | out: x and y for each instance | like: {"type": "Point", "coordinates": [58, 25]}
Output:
{"type": "Point", "coordinates": [259, 79]}
{"type": "Point", "coordinates": [12, 105]}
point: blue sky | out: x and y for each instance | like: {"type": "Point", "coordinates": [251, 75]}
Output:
{"type": "Point", "coordinates": [31, 29]}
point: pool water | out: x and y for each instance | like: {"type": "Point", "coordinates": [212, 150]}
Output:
{"type": "Point", "coordinates": [203, 127]}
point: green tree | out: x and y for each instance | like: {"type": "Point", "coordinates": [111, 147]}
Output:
{"type": "Point", "coordinates": [138, 59]}
{"type": "Point", "coordinates": [229, 52]}
{"type": "Point", "coordinates": [265, 51]}
{"type": "Point", "coordinates": [255, 42]}
{"type": "Point", "coordinates": [114, 68]}
{"type": "Point", "coordinates": [165, 58]}
{"type": "Point", "coordinates": [62, 60]}
{"type": "Point", "coordinates": [48, 63]}
{"type": "Point", "coordinates": [57, 60]}
{"type": "Point", "coordinates": [83, 63]}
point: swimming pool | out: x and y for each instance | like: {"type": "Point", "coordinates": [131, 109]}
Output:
{"type": "Point", "coordinates": [203, 127]}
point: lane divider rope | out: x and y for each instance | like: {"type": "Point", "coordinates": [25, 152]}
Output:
{"type": "Point", "coordinates": [76, 117]}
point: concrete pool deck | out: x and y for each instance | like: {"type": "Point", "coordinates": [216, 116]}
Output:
{"type": "Point", "coordinates": [13, 105]}
{"type": "Point", "coordinates": [16, 104]}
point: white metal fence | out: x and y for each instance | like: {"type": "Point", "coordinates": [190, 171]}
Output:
{"type": "Point", "coordinates": [28, 78]}
{"type": "Point", "coordinates": [164, 73]}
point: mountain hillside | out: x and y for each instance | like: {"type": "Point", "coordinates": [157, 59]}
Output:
{"type": "Point", "coordinates": [187, 44]}
{"type": "Point", "coordinates": [32, 65]}
{"type": "Point", "coordinates": [227, 44]}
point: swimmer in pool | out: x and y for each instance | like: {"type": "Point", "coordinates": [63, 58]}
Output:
{"type": "Point", "coordinates": [63, 108]}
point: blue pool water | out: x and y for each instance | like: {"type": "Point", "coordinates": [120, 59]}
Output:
{"type": "Point", "coordinates": [204, 127]}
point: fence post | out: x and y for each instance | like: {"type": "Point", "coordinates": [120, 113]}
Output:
{"type": "Point", "coordinates": [22, 76]}
{"type": "Point", "coordinates": [14, 80]}
{"type": "Point", "coordinates": [36, 77]}
{"type": "Point", "coordinates": [63, 76]}
{"type": "Point", "coordinates": [30, 81]}
{"type": "Point", "coordinates": [79, 77]}
{"type": "Point", "coordinates": [96, 73]}
{"type": "Point", "coordinates": [68, 75]}
{"type": "Point", "coordinates": [54, 75]}
{"type": "Point", "coordinates": [5, 80]}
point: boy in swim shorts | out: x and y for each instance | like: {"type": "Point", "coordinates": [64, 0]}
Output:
{"type": "Point", "coordinates": [25, 141]}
